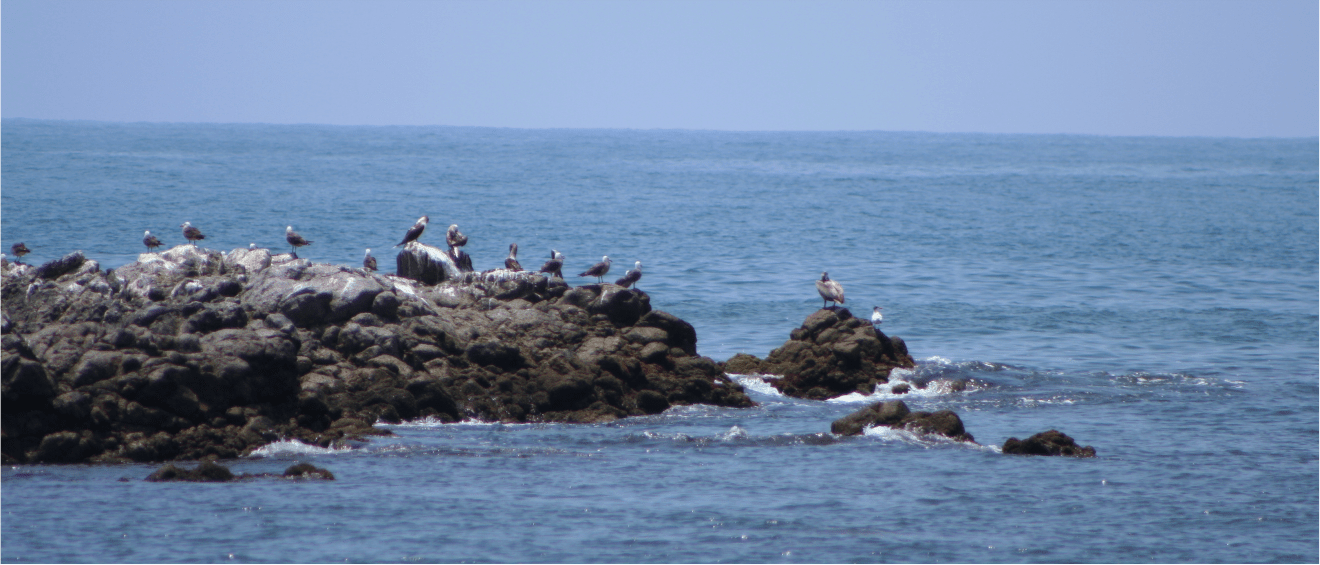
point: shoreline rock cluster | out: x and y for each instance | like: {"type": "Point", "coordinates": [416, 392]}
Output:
{"type": "Point", "coordinates": [191, 353]}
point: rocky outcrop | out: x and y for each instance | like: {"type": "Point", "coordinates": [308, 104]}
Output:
{"type": "Point", "coordinates": [212, 472]}
{"type": "Point", "coordinates": [895, 414]}
{"type": "Point", "coordinates": [1052, 442]}
{"type": "Point", "coordinates": [191, 353]}
{"type": "Point", "coordinates": [830, 355]}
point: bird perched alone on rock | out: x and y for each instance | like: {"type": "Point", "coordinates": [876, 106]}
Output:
{"type": "Point", "coordinates": [598, 270]}
{"type": "Point", "coordinates": [631, 277]}
{"type": "Point", "coordinates": [830, 290]}
{"type": "Point", "coordinates": [454, 238]}
{"type": "Point", "coordinates": [151, 241]}
{"type": "Point", "coordinates": [19, 250]}
{"type": "Point", "coordinates": [555, 265]}
{"type": "Point", "coordinates": [511, 263]}
{"type": "Point", "coordinates": [876, 316]}
{"type": "Point", "coordinates": [415, 231]}
{"type": "Point", "coordinates": [191, 233]}
{"type": "Point", "coordinates": [294, 240]}
{"type": "Point", "coordinates": [369, 262]}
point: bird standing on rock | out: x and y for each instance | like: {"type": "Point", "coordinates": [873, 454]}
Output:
{"type": "Point", "coordinates": [191, 233]}
{"type": "Point", "coordinates": [876, 316]}
{"type": "Point", "coordinates": [369, 262]}
{"type": "Point", "coordinates": [830, 290]}
{"type": "Point", "coordinates": [415, 231]}
{"type": "Point", "coordinates": [511, 263]}
{"type": "Point", "coordinates": [598, 270]}
{"type": "Point", "coordinates": [294, 240]}
{"type": "Point", "coordinates": [151, 241]}
{"type": "Point", "coordinates": [631, 277]}
{"type": "Point", "coordinates": [19, 250]}
{"type": "Point", "coordinates": [454, 238]}
{"type": "Point", "coordinates": [555, 265]}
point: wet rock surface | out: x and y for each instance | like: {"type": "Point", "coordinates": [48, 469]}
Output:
{"type": "Point", "coordinates": [212, 472]}
{"type": "Point", "coordinates": [895, 414]}
{"type": "Point", "coordinates": [190, 354]}
{"type": "Point", "coordinates": [1052, 442]}
{"type": "Point", "coordinates": [832, 354]}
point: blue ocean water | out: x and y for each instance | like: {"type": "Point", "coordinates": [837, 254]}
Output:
{"type": "Point", "coordinates": [1155, 298]}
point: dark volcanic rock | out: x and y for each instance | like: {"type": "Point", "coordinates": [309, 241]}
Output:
{"type": "Point", "coordinates": [308, 471]}
{"type": "Point", "coordinates": [206, 472]}
{"type": "Point", "coordinates": [194, 354]}
{"type": "Point", "coordinates": [895, 414]}
{"type": "Point", "coordinates": [831, 354]}
{"type": "Point", "coordinates": [1051, 442]}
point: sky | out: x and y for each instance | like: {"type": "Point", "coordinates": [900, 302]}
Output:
{"type": "Point", "coordinates": [1112, 67]}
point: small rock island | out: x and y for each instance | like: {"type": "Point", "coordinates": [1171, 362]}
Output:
{"type": "Point", "coordinates": [191, 353]}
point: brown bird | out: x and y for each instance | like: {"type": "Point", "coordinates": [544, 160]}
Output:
{"type": "Point", "coordinates": [454, 238]}
{"type": "Point", "coordinates": [631, 277]}
{"type": "Point", "coordinates": [191, 233]}
{"type": "Point", "coordinates": [151, 241]}
{"type": "Point", "coordinates": [19, 250]}
{"type": "Point", "coordinates": [294, 240]}
{"type": "Point", "coordinates": [369, 262]}
{"type": "Point", "coordinates": [830, 290]}
{"type": "Point", "coordinates": [554, 265]}
{"type": "Point", "coordinates": [598, 270]}
{"type": "Point", "coordinates": [511, 263]}
{"type": "Point", "coordinates": [415, 231]}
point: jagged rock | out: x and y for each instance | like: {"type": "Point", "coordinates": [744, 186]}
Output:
{"type": "Point", "coordinates": [830, 355]}
{"type": "Point", "coordinates": [895, 414]}
{"type": "Point", "coordinates": [191, 354]}
{"type": "Point", "coordinates": [1052, 442]}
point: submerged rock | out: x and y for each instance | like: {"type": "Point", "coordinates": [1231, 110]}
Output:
{"type": "Point", "coordinates": [190, 354]}
{"type": "Point", "coordinates": [206, 472]}
{"type": "Point", "coordinates": [895, 414]}
{"type": "Point", "coordinates": [1052, 442]}
{"type": "Point", "coordinates": [830, 355]}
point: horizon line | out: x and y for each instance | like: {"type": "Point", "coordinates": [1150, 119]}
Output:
{"type": "Point", "coordinates": [656, 129]}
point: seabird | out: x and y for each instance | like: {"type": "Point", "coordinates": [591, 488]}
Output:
{"type": "Point", "coordinates": [461, 259]}
{"type": "Point", "coordinates": [151, 241]}
{"type": "Point", "coordinates": [19, 250]}
{"type": "Point", "coordinates": [876, 316]}
{"type": "Point", "coordinates": [598, 270]}
{"type": "Point", "coordinates": [415, 231]}
{"type": "Point", "coordinates": [454, 238]}
{"type": "Point", "coordinates": [830, 290]}
{"type": "Point", "coordinates": [191, 233]}
{"type": "Point", "coordinates": [554, 265]}
{"type": "Point", "coordinates": [369, 262]}
{"type": "Point", "coordinates": [631, 277]}
{"type": "Point", "coordinates": [511, 263]}
{"type": "Point", "coordinates": [294, 240]}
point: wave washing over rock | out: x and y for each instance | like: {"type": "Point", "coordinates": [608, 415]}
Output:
{"type": "Point", "coordinates": [192, 353]}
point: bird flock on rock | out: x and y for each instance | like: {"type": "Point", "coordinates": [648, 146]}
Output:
{"type": "Point", "coordinates": [830, 290]}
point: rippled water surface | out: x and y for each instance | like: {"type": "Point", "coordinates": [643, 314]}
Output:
{"type": "Point", "coordinates": [1154, 298]}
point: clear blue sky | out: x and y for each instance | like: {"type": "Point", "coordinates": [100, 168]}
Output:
{"type": "Point", "coordinates": [1112, 67]}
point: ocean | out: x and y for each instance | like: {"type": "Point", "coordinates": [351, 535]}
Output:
{"type": "Point", "coordinates": [1155, 298]}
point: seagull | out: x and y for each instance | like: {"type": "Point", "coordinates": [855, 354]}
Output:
{"type": "Point", "coordinates": [369, 262]}
{"type": "Point", "coordinates": [151, 241]}
{"type": "Point", "coordinates": [19, 250]}
{"type": "Point", "coordinates": [511, 263]}
{"type": "Point", "coordinates": [631, 277]}
{"type": "Point", "coordinates": [454, 238]}
{"type": "Point", "coordinates": [830, 290]}
{"type": "Point", "coordinates": [191, 233]}
{"type": "Point", "coordinates": [554, 265]}
{"type": "Point", "coordinates": [876, 316]}
{"type": "Point", "coordinates": [598, 270]}
{"type": "Point", "coordinates": [295, 240]}
{"type": "Point", "coordinates": [415, 231]}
